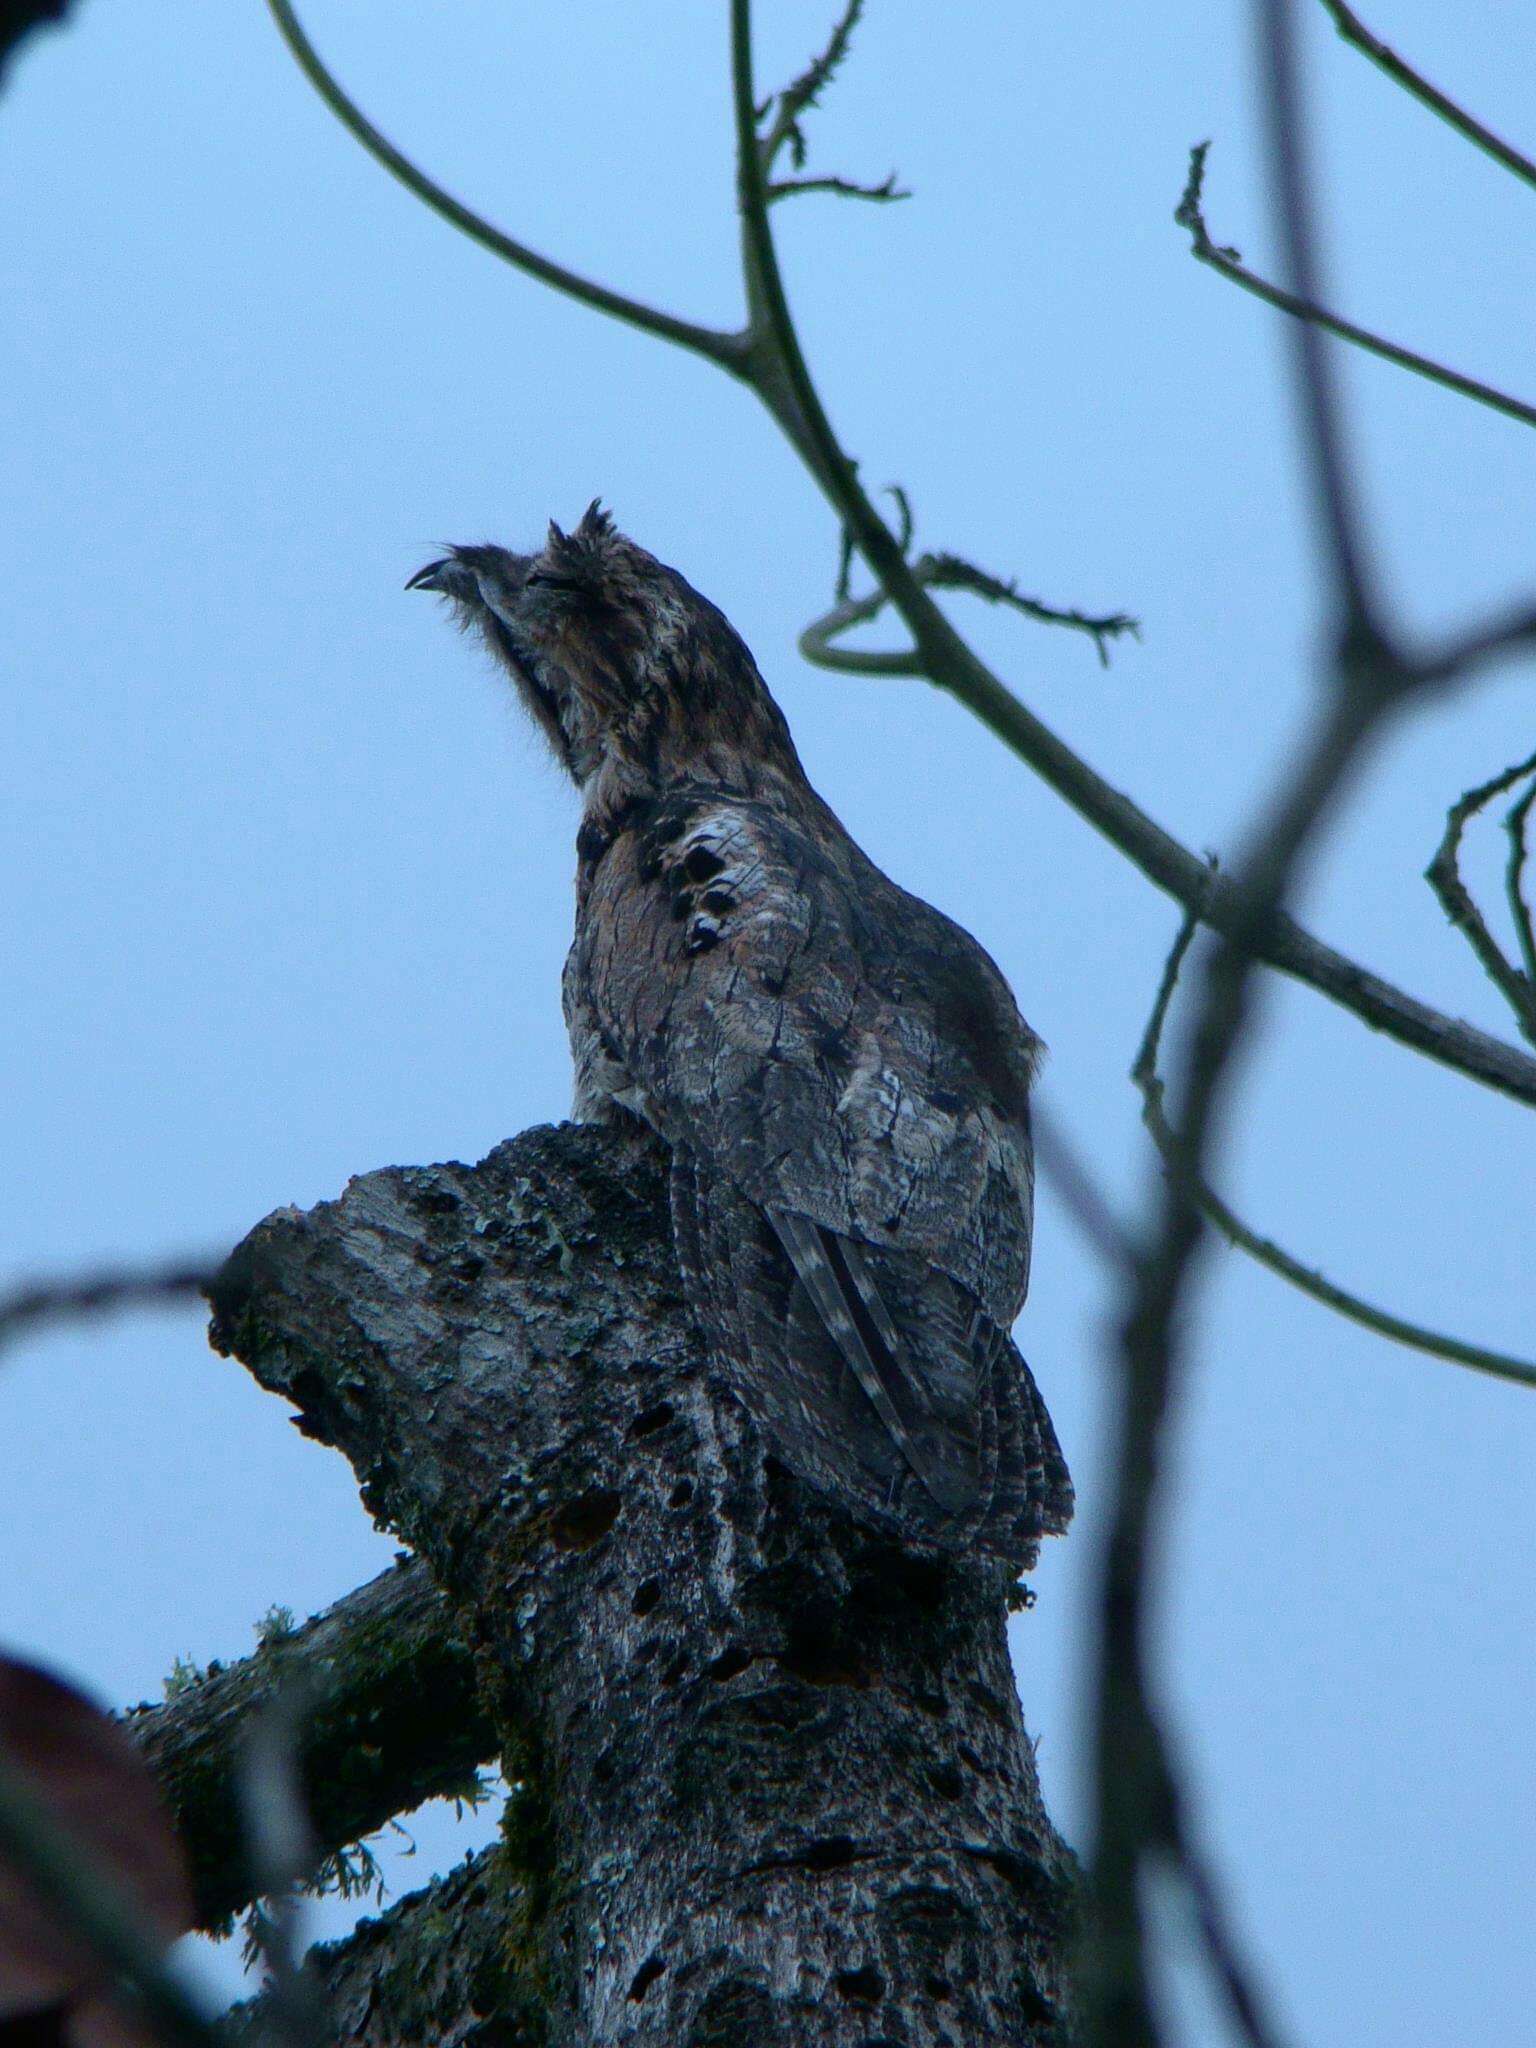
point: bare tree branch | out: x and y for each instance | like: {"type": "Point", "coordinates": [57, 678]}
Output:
{"type": "Point", "coordinates": [717, 345]}
{"type": "Point", "coordinates": [789, 393]}
{"type": "Point", "coordinates": [397, 1720]}
{"type": "Point", "coordinates": [1354, 31]}
{"type": "Point", "coordinates": [1444, 877]}
{"type": "Point", "coordinates": [887, 192]}
{"type": "Point", "coordinates": [1460, 654]}
{"type": "Point", "coordinates": [1500, 1365]}
{"type": "Point", "coordinates": [36, 1303]}
{"type": "Point", "coordinates": [1235, 1975]}
{"type": "Point", "coordinates": [1228, 263]}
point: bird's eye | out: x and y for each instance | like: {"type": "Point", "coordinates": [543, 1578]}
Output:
{"type": "Point", "coordinates": [550, 580]}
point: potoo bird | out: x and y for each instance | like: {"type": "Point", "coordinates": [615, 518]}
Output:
{"type": "Point", "coordinates": [840, 1071]}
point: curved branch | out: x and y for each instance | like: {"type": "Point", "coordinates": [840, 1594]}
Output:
{"type": "Point", "coordinates": [1354, 31]}
{"type": "Point", "coordinates": [1516, 824]}
{"type": "Point", "coordinates": [1498, 1364]}
{"type": "Point", "coordinates": [1444, 877]}
{"type": "Point", "coordinates": [1227, 263]}
{"type": "Point", "coordinates": [717, 345]}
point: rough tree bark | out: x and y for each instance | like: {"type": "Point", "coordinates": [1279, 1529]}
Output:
{"type": "Point", "coordinates": [772, 1785]}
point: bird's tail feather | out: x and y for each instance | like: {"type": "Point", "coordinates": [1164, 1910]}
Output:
{"type": "Point", "coordinates": [878, 1379]}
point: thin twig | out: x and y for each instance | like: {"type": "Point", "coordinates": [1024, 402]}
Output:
{"type": "Point", "coordinates": [804, 92]}
{"type": "Point", "coordinates": [29, 1307]}
{"type": "Point", "coordinates": [943, 572]}
{"type": "Point", "coordinates": [886, 193]}
{"type": "Point", "coordinates": [906, 523]}
{"type": "Point", "coordinates": [1354, 31]}
{"type": "Point", "coordinates": [1517, 824]}
{"type": "Point", "coordinates": [818, 642]}
{"type": "Point", "coordinates": [91, 1905]}
{"type": "Point", "coordinates": [1499, 1364]}
{"type": "Point", "coordinates": [717, 345]}
{"type": "Point", "coordinates": [1228, 263]}
{"type": "Point", "coordinates": [950, 572]}
{"type": "Point", "coordinates": [1332, 475]}
{"type": "Point", "coordinates": [1444, 876]}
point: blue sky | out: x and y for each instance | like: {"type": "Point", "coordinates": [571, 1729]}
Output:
{"type": "Point", "coordinates": [287, 880]}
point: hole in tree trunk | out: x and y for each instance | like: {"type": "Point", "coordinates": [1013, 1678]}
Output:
{"type": "Point", "coordinates": [583, 1522]}
{"type": "Point", "coordinates": [860, 1987]}
{"type": "Point", "coordinates": [652, 1968]}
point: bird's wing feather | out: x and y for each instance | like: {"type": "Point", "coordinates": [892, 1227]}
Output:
{"type": "Point", "coordinates": [882, 1367]}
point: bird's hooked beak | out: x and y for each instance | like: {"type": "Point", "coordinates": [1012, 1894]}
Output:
{"type": "Point", "coordinates": [477, 576]}
{"type": "Point", "coordinates": [439, 576]}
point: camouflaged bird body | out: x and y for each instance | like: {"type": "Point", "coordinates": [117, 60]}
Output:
{"type": "Point", "coordinates": [748, 980]}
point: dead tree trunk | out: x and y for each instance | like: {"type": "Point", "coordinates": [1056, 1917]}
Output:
{"type": "Point", "coordinates": [771, 1782]}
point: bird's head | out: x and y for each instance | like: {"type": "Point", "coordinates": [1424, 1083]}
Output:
{"type": "Point", "coordinates": [635, 679]}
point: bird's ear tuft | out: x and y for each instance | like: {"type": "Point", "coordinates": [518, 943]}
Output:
{"type": "Point", "coordinates": [596, 524]}
{"type": "Point", "coordinates": [585, 555]}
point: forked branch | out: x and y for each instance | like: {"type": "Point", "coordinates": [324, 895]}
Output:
{"type": "Point", "coordinates": [819, 641]}
{"type": "Point", "coordinates": [1515, 984]}
{"type": "Point", "coordinates": [717, 345]}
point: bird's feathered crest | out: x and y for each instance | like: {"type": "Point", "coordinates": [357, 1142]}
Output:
{"type": "Point", "coordinates": [586, 556]}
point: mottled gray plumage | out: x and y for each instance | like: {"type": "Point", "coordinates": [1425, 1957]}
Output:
{"type": "Point", "coordinates": [840, 1070]}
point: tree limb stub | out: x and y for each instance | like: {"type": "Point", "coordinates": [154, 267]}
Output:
{"type": "Point", "coordinates": [770, 1777]}
{"type": "Point", "coordinates": [397, 1721]}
